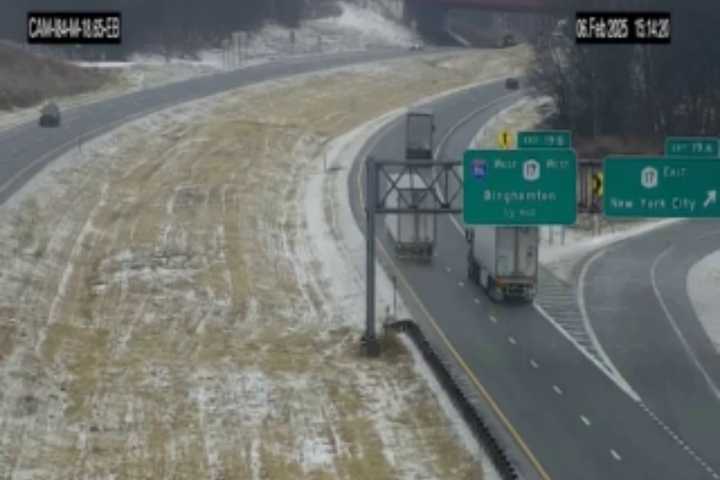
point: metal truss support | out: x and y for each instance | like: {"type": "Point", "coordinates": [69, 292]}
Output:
{"type": "Point", "coordinates": [439, 192]}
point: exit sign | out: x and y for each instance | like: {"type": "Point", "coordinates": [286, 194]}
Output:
{"type": "Point", "coordinates": [661, 187]}
{"type": "Point", "coordinates": [544, 139]}
{"type": "Point", "coordinates": [691, 147]}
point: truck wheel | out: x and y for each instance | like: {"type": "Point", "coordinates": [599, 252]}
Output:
{"type": "Point", "coordinates": [493, 293]}
{"type": "Point", "coordinates": [472, 273]}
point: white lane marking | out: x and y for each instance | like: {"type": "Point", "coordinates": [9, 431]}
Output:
{"type": "Point", "coordinates": [466, 118]}
{"type": "Point", "coordinates": [610, 371]}
{"type": "Point", "coordinates": [461, 284]}
{"type": "Point", "coordinates": [620, 380]}
{"type": "Point", "coordinates": [557, 390]}
{"type": "Point", "coordinates": [477, 300]}
{"type": "Point", "coordinates": [582, 350]}
{"type": "Point", "coordinates": [534, 364]}
{"type": "Point", "coordinates": [615, 455]}
{"type": "Point", "coordinates": [496, 409]}
{"type": "Point", "coordinates": [585, 420]}
{"type": "Point", "coordinates": [493, 319]}
{"type": "Point", "coordinates": [622, 386]}
{"type": "Point", "coordinates": [690, 352]}
{"type": "Point", "coordinates": [512, 340]}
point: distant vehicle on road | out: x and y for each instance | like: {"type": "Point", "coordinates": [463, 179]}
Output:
{"type": "Point", "coordinates": [50, 115]}
{"type": "Point", "coordinates": [512, 83]}
{"type": "Point", "coordinates": [417, 47]}
{"type": "Point", "coordinates": [507, 40]}
{"type": "Point", "coordinates": [412, 233]}
{"type": "Point", "coordinates": [419, 130]}
{"type": "Point", "coordinates": [504, 261]}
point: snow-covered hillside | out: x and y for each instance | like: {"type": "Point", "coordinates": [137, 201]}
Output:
{"type": "Point", "coordinates": [361, 25]}
{"type": "Point", "coordinates": [180, 301]}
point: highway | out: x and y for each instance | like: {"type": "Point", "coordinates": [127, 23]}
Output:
{"type": "Point", "coordinates": [563, 417]}
{"type": "Point", "coordinates": [638, 305]}
{"type": "Point", "coordinates": [26, 149]}
{"type": "Point", "coordinates": [560, 415]}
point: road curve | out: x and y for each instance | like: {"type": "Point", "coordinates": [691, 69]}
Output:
{"type": "Point", "coordinates": [571, 419]}
{"type": "Point", "coordinates": [26, 148]}
{"type": "Point", "coordinates": [560, 416]}
{"type": "Point", "coordinates": [640, 310]}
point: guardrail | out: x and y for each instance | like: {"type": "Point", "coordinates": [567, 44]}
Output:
{"type": "Point", "coordinates": [473, 420]}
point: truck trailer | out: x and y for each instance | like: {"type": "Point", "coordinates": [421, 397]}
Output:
{"type": "Point", "coordinates": [419, 130]}
{"type": "Point", "coordinates": [504, 261]}
{"type": "Point", "coordinates": [413, 234]}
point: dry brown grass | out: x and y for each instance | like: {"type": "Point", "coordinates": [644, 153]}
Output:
{"type": "Point", "coordinates": [176, 326]}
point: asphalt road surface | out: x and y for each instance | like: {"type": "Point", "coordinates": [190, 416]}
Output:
{"type": "Point", "coordinates": [559, 414]}
{"type": "Point", "coordinates": [639, 307]}
{"type": "Point", "coordinates": [26, 149]}
{"type": "Point", "coordinates": [565, 417]}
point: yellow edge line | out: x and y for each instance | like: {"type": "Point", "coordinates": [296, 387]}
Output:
{"type": "Point", "coordinates": [486, 395]}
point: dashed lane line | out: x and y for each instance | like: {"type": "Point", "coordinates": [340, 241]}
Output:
{"type": "Point", "coordinates": [519, 441]}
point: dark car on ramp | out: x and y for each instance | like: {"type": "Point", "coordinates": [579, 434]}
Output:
{"type": "Point", "coordinates": [50, 115]}
{"type": "Point", "coordinates": [512, 83]}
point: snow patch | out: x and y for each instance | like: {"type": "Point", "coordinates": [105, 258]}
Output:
{"type": "Point", "coordinates": [703, 287]}
{"type": "Point", "coordinates": [372, 24]}
{"type": "Point", "coordinates": [355, 29]}
{"type": "Point", "coordinates": [342, 244]}
{"type": "Point", "coordinates": [459, 426]}
{"type": "Point", "coordinates": [562, 258]}
{"type": "Point", "coordinates": [561, 248]}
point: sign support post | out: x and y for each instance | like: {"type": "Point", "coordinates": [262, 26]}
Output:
{"type": "Point", "coordinates": [440, 195]}
{"type": "Point", "coordinates": [370, 338]}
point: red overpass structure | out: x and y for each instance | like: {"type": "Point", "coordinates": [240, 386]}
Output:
{"type": "Point", "coordinates": [495, 5]}
{"type": "Point", "coordinates": [430, 15]}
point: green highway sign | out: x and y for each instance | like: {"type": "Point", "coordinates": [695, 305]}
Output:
{"type": "Point", "coordinates": [544, 139]}
{"type": "Point", "coordinates": [661, 187]}
{"type": "Point", "coordinates": [519, 187]}
{"type": "Point", "coordinates": [691, 147]}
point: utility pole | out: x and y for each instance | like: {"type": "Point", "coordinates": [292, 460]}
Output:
{"type": "Point", "coordinates": [595, 104]}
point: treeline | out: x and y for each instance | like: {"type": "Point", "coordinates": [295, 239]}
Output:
{"type": "Point", "coordinates": [633, 91]}
{"type": "Point", "coordinates": [166, 24]}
